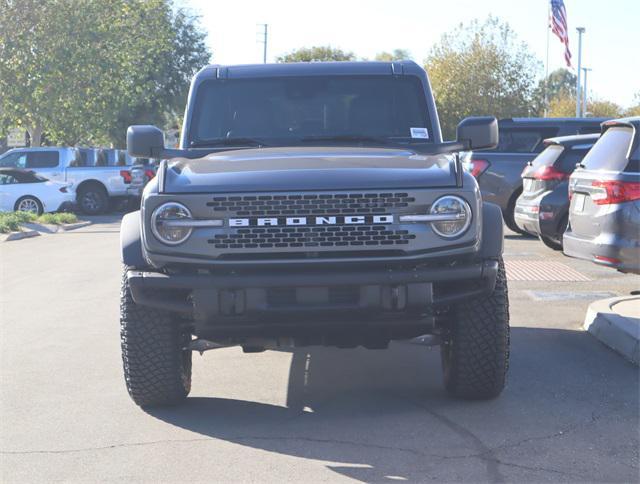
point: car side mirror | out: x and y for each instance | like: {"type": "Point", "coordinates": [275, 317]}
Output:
{"type": "Point", "coordinates": [478, 132]}
{"type": "Point", "coordinates": [145, 141]}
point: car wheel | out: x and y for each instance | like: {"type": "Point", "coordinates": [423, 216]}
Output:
{"type": "Point", "coordinates": [552, 243]}
{"type": "Point", "coordinates": [509, 214]}
{"type": "Point", "coordinates": [475, 344]}
{"type": "Point", "coordinates": [93, 200]}
{"type": "Point", "coordinates": [29, 203]}
{"type": "Point", "coordinates": [157, 371]}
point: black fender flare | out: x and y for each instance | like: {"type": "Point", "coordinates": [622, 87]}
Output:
{"type": "Point", "coordinates": [492, 231]}
{"type": "Point", "coordinates": [131, 241]}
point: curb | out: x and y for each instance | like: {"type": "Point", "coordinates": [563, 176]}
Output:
{"type": "Point", "coordinates": [25, 234]}
{"type": "Point", "coordinates": [54, 229]}
{"type": "Point", "coordinates": [614, 323]}
{"type": "Point", "coordinates": [73, 226]}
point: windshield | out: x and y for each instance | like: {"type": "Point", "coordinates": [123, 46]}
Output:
{"type": "Point", "coordinates": [303, 108]}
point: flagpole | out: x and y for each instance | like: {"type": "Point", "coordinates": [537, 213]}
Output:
{"type": "Point", "coordinates": [546, 76]}
{"type": "Point", "coordinates": [578, 91]}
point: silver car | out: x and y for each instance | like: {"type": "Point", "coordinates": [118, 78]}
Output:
{"type": "Point", "coordinates": [604, 216]}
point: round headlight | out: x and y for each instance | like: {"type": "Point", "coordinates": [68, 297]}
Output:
{"type": "Point", "coordinates": [459, 216]}
{"type": "Point", "coordinates": [162, 226]}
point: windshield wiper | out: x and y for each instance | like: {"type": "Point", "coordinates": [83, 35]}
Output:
{"type": "Point", "coordinates": [228, 142]}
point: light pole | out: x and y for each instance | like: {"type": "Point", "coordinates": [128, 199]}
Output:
{"type": "Point", "coordinates": [264, 42]}
{"type": "Point", "coordinates": [584, 91]}
{"type": "Point", "coordinates": [578, 91]}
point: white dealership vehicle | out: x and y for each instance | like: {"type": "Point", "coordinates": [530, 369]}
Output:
{"type": "Point", "coordinates": [94, 180]}
{"type": "Point", "coordinates": [23, 190]}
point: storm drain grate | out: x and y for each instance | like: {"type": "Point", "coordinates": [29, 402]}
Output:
{"type": "Point", "coordinates": [531, 270]}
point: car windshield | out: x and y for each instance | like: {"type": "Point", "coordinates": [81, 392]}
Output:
{"type": "Point", "coordinates": [309, 109]}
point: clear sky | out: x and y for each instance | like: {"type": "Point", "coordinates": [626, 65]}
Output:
{"type": "Point", "coordinates": [610, 44]}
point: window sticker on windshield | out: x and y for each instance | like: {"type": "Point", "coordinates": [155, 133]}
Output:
{"type": "Point", "coordinates": [419, 133]}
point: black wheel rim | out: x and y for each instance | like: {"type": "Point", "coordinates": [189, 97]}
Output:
{"type": "Point", "coordinates": [91, 201]}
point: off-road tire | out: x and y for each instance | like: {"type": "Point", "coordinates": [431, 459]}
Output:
{"type": "Point", "coordinates": [157, 371]}
{"type": "Point", "coordinates": [475, 347]}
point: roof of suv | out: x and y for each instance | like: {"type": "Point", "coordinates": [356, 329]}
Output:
{"type": "Point", "coordinates": [310, 69]}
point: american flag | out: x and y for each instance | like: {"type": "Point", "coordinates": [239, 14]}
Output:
{"type": "Point", "coordinates": [558, 24]}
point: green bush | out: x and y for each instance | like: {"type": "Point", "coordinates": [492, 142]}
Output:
{"type": "Point", "coordinates": [57, 218]}
{"type": "Point", "coordinates": [11, 221]}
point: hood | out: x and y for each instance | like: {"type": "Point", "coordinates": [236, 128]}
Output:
{"type": "Point", "coordinates": [309, 168]}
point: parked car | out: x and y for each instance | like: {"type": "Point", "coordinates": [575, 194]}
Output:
{"type": "Point", "coordinates": [94, 182]}
{"type": "Point", "coordinates": [521, 140]}
{"type": "Point", "coordinates": [312, 204]}
{"type": "Point", "coordinates": [23, 190]}
{"type": "Point", "coordinates": [141, 173]}
{"type": "Point", "coordinates": [604, 216]}
{"type": "Point", "coordinates": [543, 207]}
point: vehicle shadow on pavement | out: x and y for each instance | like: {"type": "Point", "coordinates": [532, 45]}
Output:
{"type": "Point", "coordinates": [383, 415]}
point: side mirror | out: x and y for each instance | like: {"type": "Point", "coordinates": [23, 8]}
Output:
{"type": "Point", "coordinates": [478, 132]}
{"type": "Point", "coordinates": [145, 141]}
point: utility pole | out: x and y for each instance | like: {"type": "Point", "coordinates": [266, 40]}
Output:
{"type": "Point", "coordinates": [264, 34]}
{"type": "Point", "coordinates": [578, 91]}
{"type": "Point", "coordinates": [584, 91]}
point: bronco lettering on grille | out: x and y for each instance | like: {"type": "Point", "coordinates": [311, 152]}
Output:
{"type": "Point", "coordinates": [320, 220]}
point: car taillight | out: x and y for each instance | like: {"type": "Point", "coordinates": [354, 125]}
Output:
{"type": "Point", "coordinates": [63, 189]}
{"type": "Point", "coordinates": [126, 176]}
{"type": "Point", "coordinates": [149, 174]}
{"type": "Point", "coordinates": [549, 173]}
{"type": "Point", "coordinates": [614, 191]}
{"type": "Point", "coordinates": [476, 167]}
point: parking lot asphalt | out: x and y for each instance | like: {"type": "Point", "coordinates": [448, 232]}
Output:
{"type": "Point", "coordinates": [569, 413]}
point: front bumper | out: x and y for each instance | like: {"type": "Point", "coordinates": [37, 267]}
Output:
{"type": "Point", "coordinates": [220, 303]}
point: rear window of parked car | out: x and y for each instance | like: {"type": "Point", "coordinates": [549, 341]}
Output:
{"type": "Point", "coordinates": [611, 151]}
{"type": "Point", "coordinates": [523, 140]}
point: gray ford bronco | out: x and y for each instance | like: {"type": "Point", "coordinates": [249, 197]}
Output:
{"type": "Point", "coordinates": [312, 204]}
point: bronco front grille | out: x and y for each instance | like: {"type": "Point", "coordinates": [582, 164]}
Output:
{"type": "Point", "coordinates": [310, 204]}
{"type": "Point", "coordinates": [334, 236]}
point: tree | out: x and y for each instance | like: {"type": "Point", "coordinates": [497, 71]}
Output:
{"type": "Point", "coordinates": [562, 106]}
{"type": "Point", "coordinates": [396, 55]}
{"type": "Point", "coordinates": [603, 109]}
{"type": "Point", "coordinates": [635, 109]}
{"type": "Point", "coordinates": [83, 81]}
{"type": "Point", "coordinates": [560, 83]}
{"type": "Point", "coordinates": [317, 54]}
{"type": "Point", "coordinates": [480, 69]}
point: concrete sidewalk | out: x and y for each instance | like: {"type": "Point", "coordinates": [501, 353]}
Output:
{"type": "Point", "coordinates": [616, 322]}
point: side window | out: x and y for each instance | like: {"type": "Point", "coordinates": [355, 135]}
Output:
{"type": "Point", "coordinates": [7, 180]}
{"type": "Point", "coordinates": [42, 159]}
{"type": "Point", "coordinates": [15, 160]}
